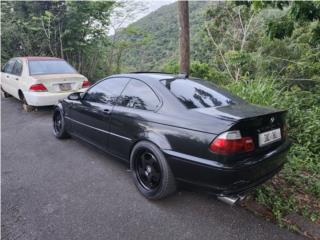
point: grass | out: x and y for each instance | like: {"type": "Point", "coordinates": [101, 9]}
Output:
{"type": "Point", "coordinates": [297, 187]}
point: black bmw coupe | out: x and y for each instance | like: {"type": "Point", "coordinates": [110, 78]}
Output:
{"type": "Point", "coordinates": [175, 129]}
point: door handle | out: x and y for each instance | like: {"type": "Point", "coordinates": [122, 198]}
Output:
{"type": "Point", "coordinates": [107, 111]}
{"type": "Point", "coordinates": [17, 79]}
{"type": "Point", "coordinates": [7, 76]}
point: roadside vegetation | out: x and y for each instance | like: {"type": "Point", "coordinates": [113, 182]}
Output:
{"type": "Point", "coordinates": [266, 52]}
{"type": "Point", "coordinates": [297, 187]}
{"type": "Point", "coordinates": [269, 55]}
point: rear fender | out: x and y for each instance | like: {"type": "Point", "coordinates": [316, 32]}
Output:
{"type": "Point", "coordinates": [156, 138]}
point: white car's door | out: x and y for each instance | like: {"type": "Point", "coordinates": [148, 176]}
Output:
{"type": "Point", "coordinates": [6, 76]}
{"type": "Point", "coordinates": [16, 78]}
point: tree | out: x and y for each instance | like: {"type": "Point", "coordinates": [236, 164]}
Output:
{"type": "Point", "coordinates": [228, 29]}
{"type": "Point", "coordinates": [122, 37]}
{"type": "Point", "coordinates": [74, 30]}
{"type": "Point", "coordinates": [183, 12]}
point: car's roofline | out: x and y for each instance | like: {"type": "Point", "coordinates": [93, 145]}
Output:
{"type": "Point", "coordinates": [147, 77]}
{"type": "Point", "coordinates": [154, 76]}
{"type": "Point", "coordinates": [150, 72]}
{"type": "Point", "coordinates": [38, 58]}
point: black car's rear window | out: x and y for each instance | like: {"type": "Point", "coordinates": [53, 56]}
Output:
{"type": "Point", "coordinates": [38, 67]}
{"type": "Point", "coordinates": [194, 93]}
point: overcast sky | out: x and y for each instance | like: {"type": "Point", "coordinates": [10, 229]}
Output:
{"type": "Point", "coordinates": [154, 5]}
{"type": "Point", "coordinates": [150, 6]}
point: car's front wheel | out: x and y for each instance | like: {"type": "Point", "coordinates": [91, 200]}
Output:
{"type": "Point", "coordinates": [59, 129]}
{"type": "Point", "coordinates": [151, 173]}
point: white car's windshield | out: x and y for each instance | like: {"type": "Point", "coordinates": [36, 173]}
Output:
{"type": "Point", "coordinates": [37, 67]}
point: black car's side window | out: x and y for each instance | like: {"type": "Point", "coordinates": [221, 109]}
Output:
{"type": "Point", "coordinates": [107, 91]}
{"type": "Point", "coordinates": [17, 68]}
{"type": "Point", "coordinates": [138, 95]}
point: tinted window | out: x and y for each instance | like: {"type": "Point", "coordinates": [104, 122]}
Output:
{"type": "Point", "coordinates": [17, 69]}
{"type": "Point", "coordinates": [138, 95]}
{"type": "Point", "coordinates": [106, 91]}
{"type": "Point", "coordinates": [9, 66]}
{"type": "Point", "coordinates": [37, 67]}
{"type": "Point", "coordinates": [199, 94]}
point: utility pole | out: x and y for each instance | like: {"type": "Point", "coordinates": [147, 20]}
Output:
{"type": "Point", "coordinates": [183, 12]}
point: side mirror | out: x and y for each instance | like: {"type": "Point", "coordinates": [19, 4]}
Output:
{"type": "Point", "coordinates": [75, 96]}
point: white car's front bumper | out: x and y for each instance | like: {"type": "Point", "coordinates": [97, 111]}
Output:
{"type": "Point", "coordinates": [44, 98]}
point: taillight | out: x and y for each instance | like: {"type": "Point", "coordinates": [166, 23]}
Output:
{"type": "Point", "coordinates": [85, 83]}
{"type": "Point", "coordinates": [231, 142]}
{"type": "Point", "coordinates": [38, 88]}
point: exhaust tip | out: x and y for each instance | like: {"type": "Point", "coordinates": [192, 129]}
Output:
{"type": "Point", "coordinates": [231, 200]}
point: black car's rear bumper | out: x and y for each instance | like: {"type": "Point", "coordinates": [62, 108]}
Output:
{"type": "Point", "coordinates": [223, 179]}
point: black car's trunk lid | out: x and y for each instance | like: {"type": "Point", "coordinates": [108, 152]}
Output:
{"type": "Point", "coordinates": [252, 121]}
{"type": "Point", "coordinates": [239, 111]}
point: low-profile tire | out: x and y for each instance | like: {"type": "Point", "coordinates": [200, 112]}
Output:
{"type": "Point", "coordinates": [151, 173]}
{"type": "Point", "coordinates": [59, 129]}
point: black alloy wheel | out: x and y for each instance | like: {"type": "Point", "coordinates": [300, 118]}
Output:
{"type": "Point", "coordinates": [148, 170]}
{"type": "Point", "coordinates": [58, 124]}
{"type": "Point", "coordinates": [151, 173]}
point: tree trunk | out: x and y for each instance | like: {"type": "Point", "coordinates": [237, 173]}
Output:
{"type": "Point", "coordinates": [183, 11]}
{"type": "Point", "coordinates": [118, 67]}
{"type": "Point", "coordinates": [60, 40]}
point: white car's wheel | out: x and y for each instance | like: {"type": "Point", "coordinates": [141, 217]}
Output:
{"type": "Point", "coordinates": [26, 107]}
{"type": "Point", "coordinates": [5, 94]}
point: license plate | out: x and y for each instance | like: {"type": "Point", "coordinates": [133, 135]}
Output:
{"type": "Point", "coordinates": [65, 87]}
{"type": "Point", "coordinates": [266, 138]}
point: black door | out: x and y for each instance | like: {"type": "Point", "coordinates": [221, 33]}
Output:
{"type": "Point", "coordinates": [90, 116]}
{"type": "Point", "coordinates": [129, 119]}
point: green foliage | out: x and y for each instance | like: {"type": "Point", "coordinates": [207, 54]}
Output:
{"type": "Point", "coordinates": [300, 176]}
{"type": "Point", "coordinates": [315, 34]}
{"type": "Point", "coordinates": [258, 5]}
{"type": "Point", "coordinates": [127, 39]}
{"type": "Point", "coordinates": [74, 30]}
{"type": "Point", "coordinates": [162, 27]}
{"type": "Point", "coordinates": [305, 10]}
{"type": "Point", "coordinates": [280, 28]}
{"type": "Point", "coordinates": [200, 70]}
{"type": "Point", "coordinates": [252, 39]}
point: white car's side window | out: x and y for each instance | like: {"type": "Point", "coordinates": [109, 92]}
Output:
{"type": "Point", "coordinates": [9, 66]}
{"type": "Point", "coordinates": [17, 68]}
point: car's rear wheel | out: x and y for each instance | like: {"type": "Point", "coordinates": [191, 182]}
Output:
{"type": "Point", "coordinates": [5, 94]}
{"type": "Point", "coordinates": [151, 173]}
{"type": "Point", "coordinates": [25, 105]}
{"type": "Point", "coordinates": [59, 129]}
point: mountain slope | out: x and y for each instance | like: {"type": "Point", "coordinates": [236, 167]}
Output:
{"type": "Point", "coordinates": [162, 26]}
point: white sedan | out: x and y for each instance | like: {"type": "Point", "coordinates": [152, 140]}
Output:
{"type": "Point", "coordinates": [40, 81]}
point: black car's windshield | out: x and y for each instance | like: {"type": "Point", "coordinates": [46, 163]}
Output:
{"type": "Point", "coordinates": [195, 93]}
{"type": "Point", "coordinates": [38, 67]}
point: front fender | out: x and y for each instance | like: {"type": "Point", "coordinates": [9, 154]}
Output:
{"type": "Point", "coordinates": [59, 106]}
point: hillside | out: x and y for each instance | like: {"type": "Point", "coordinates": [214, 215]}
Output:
{"type": "Point", "coordinates": [162, 26]}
